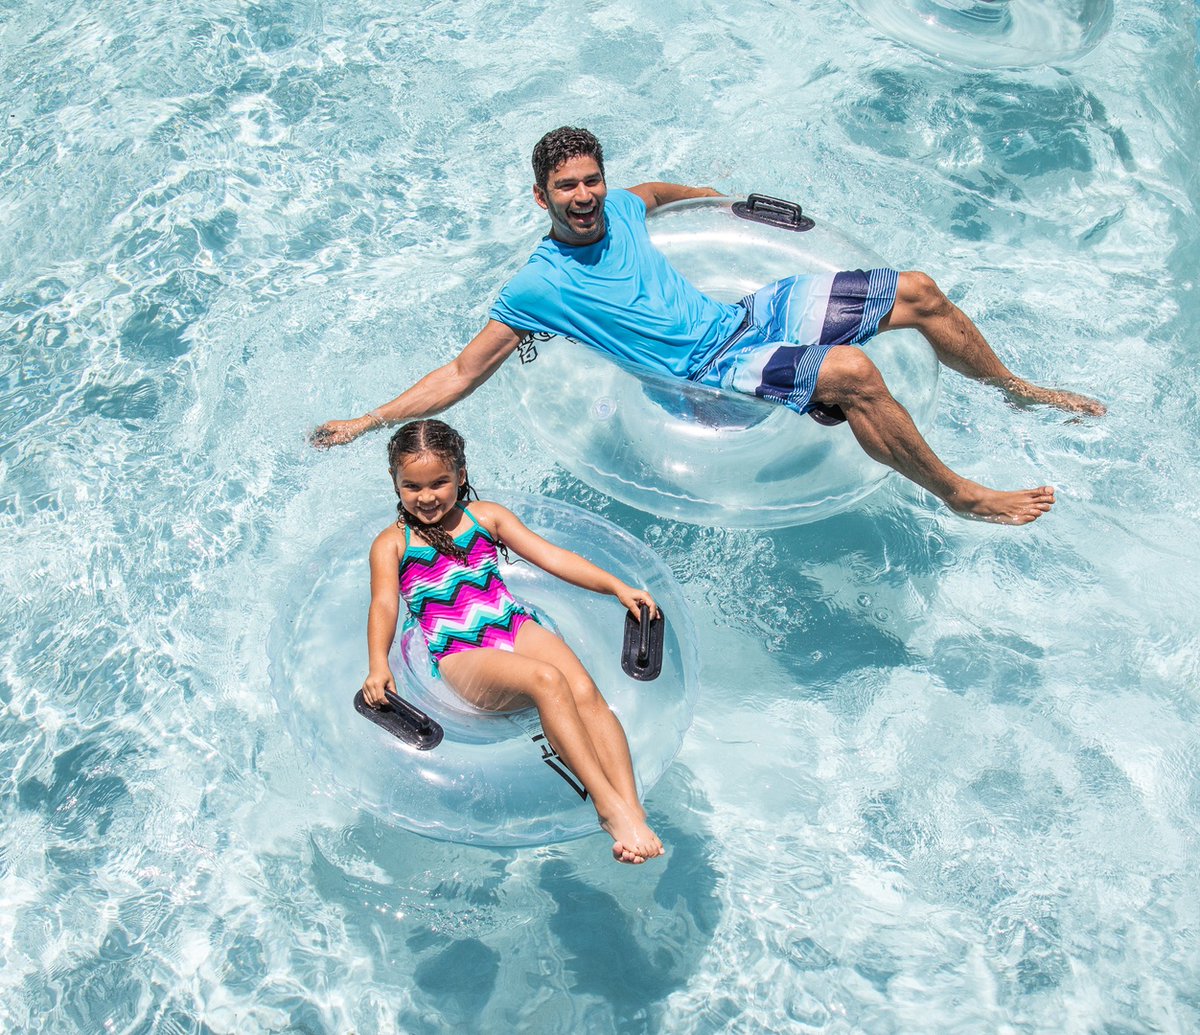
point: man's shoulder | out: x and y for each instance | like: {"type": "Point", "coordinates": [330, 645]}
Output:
{"type": "Point", "coordinates": [537, 279]}
{"type": "Point", "coordinates": [540, 266]}
{"type": "Point", "coordinates": [627, 202]}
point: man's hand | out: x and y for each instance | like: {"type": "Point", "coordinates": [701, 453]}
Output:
{"type": "Point", "coordinates": [341, 432]}
{"type": "Point", "coordinates": [436, 391]}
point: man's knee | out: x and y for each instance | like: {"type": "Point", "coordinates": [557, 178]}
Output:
{"type": "Point", "coordinates": [919, 292]}
{"type": "Point", "coordinates": [847, 366]}
{"type": "Point", "coordinates": [847, 375]}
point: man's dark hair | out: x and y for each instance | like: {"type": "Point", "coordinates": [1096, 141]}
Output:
{"type": "Point", "coordinates": [561, 145]}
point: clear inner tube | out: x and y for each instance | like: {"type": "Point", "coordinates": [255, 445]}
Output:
{"type": "Point", "coordinates": [698, 454]}
{"type": "Point", "coordinates": [492, 779]}
{"type": "Point", "coordinates": [993, 33]}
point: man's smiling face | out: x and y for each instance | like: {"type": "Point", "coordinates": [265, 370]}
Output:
{"type": "Point", "coordinates": [574, 196]}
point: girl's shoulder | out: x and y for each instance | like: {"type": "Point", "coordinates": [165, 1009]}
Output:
{"type": "Point", "coordinates": [488, 514]}
{"type": "Point", "coordinates": [391, 538]}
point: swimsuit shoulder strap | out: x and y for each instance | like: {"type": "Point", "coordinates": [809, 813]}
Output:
{"type": "Point", "coordinates": [466, 510]}
{"type": "Point", "coordinates": [407, 540]}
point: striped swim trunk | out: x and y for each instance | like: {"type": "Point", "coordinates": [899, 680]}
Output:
{"type": "Point", "coordinates": [790, 326]}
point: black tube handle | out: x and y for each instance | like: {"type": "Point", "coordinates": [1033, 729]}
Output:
{"type": "Point", "coordinates": [642, 644]}
{"type": "Point", "coordinates": [765, 204]}
{"type": "Point", "coordinates": [644, 636]}
{"type": "Point", "coordinates": [402, 720]}
{"type": "Point", "coordinates": [761, 208]}
{"type": "Point", "coordinates": [417, 718]}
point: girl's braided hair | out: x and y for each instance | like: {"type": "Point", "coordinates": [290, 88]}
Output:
{"type": "Point", "coordinates": [438, 438]}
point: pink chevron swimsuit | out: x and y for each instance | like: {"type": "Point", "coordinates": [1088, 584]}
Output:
{"type": "Point", "coordinates": [460, 606]}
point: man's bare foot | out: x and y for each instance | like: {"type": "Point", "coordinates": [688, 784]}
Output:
{"type": "Point", "coordinates": [1022, 391]}
{"type": "Point", "coordinates": [1005, 508]}
{"type": "Point", "coordinates": [633, 841]}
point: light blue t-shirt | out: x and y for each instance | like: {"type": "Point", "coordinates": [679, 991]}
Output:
{"type": "Point", "coordinates": [619, 295]}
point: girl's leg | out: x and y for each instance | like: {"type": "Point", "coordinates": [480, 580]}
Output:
{"type": "Point", "coordinates": [604, 728]}
{"type": "Point", "coordinates": [495, 680]}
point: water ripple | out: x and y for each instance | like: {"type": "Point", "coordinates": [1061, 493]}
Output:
{"type": "Point", "coordinates": [942, 775]}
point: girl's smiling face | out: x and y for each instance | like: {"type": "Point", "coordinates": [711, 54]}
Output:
{"type": "Point", "coordinates": [428, 486]}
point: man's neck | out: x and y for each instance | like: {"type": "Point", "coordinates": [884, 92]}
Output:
{"type": "Point", "coordinates": [580, 244]}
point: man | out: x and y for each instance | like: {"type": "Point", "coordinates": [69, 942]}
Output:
{"type": "Point", "coordinates": [596, 278]}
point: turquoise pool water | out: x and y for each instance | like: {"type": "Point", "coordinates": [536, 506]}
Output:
{"type": "Point", "coordinates": [942, 777]}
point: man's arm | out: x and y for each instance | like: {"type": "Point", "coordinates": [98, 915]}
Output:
{"type": "Point", "coordinates": [655, 194]}
{"type": "Point", "coordinates": [436, 391]}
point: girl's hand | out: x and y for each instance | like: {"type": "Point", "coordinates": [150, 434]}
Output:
{"type": "Point", "coordinates": [374, 686]}
{"type": "Point", "coordinates": [634, 598]}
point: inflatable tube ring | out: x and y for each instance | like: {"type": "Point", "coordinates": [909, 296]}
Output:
{"type": "Point", "coordinates": [489, 778]}
{"type": "Point", "coordinates": [641, 658]}
{"type": "Point", "coordinates": [686, 451]}
{"type": "Point", "coordinates": [993, 33]}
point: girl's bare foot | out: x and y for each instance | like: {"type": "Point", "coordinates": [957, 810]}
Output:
{"type": "Point", "coordinates": [624, 855]}
{"type": "Point", "coordinates": [633, 840]}
{"type": "Point", "coordinates": [1005, 508]}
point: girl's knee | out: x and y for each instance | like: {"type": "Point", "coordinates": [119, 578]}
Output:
{"type": "Point", "coordinates": [586, 695]}
{"type": "Point", "coordinates": [547, 684]}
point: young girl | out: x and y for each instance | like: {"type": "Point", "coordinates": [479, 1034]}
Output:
{"type": "Point", "coordinates": [504, 660]}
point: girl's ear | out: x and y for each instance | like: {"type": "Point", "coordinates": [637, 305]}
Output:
{"type": "Point", "coordinates": [462, 477]}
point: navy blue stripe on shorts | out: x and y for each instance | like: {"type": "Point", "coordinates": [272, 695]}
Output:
{"type": "Point", "coordinates": [792, 325]}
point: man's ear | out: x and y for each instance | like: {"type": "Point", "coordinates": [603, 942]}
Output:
{"type": "Point", "coordinates": [539, 196]}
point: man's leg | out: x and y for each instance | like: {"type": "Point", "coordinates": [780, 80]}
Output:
{"type": "Point", "coordinates": [887, 433]}
{"type": "Point", "coordinates": [921, 304]}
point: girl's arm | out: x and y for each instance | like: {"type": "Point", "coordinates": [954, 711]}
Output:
{"type": "Point", "coordinates": [381, 621]}
{"type": "Point", "coordinates": [570, 567]}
